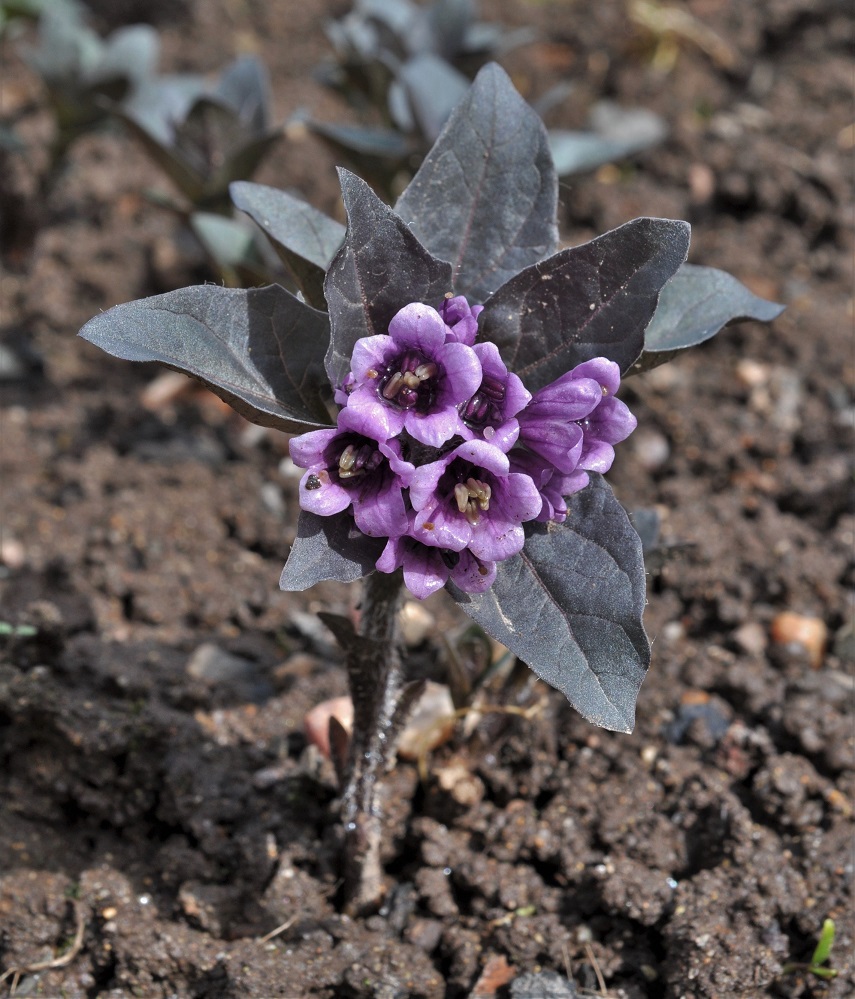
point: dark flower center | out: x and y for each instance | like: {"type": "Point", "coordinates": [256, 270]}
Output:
{"type": "Point", "coordinates": [358, 458]}
{"type": "Point", "coordinates": [485, 407]}
{"type": "Point", "coordinates": [464, 486]}
{"type": "Point", "coordinates": [409, 382]}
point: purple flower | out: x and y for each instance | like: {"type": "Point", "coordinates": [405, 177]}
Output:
{"type": "Point", "coordinates": [428, 569]}
{"type": "Point", "coordinates": [348, 466]}
{"type": "Point", "coordinates": [573, 422]}
{"type": "Point", "coordinates": [411, 379]}
{"type": "Point", "coordinates": [490, 412]}
{"type": "Point", "coordinates": [554, 486]}
{"type": "Point", "coordinates": [610, 423]}
{"type": "Point", "coordinates": [461, 319]}
{"type": "Point", "coordinates": [469, 498]}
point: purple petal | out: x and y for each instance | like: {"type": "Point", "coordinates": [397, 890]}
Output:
{"type": "Point", "coordinates": [597, 456]}
{"type": "Point", "coordinates": [434, 428]}
{"type": "Point", "coordinates": [504, 436]}
{"type": "Point", "coordinates": [308, 449]}
{"type": "Point", "coordinates": [424, 572]}
{"type": "Point", "coordinates": [442, 526]}
{"type": "Point", "coordinates": [370, 353]}
{"type": "Point", "coordinates": [384, 421]}
{"type": "Point", "coordinates": [501, 541]}
{"type": "Point", "coordinates": [378, 508]}
{"type": "Point", "coordinates": [559, 443]}
{"type": "Point", "coordinates": [516, 497]}
{"type": "Point", "coordinates": [483, 454]}
{"type": "Point", "coordinates": [604, 372]}
{"type": "Point", "coordinates": [472, 575]}
{"type": "Point", "coordinates": [611, 421]}
{"type": "Point", "coordinates": [423, 482]}
{"type": "Point", "coordinates": [420, 327]}
{"type": "Point", "coordinates": [462, 373]}
{"type": "Point", "coordinates": [326, 498]}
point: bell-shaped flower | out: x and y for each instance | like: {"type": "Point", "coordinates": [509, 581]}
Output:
{"type": "Point", "coordinates": [470, 498]}
{"type": "Point", "coordinates": [351, 466]}
{"type": "Point", "coordinates": [490, 413]}
{"type": "Point", "coordinates": [411, 379]}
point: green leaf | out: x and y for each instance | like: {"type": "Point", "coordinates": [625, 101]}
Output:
{"type": "Point", "coordinates": [823, 947]}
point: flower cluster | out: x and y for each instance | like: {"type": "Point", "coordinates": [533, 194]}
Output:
{"type": "Point", "coordinates": [443, 451]}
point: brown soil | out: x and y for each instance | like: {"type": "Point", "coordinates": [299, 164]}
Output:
{"type": "Point", "coordinates": [161, 813]}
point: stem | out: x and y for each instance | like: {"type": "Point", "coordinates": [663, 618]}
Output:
{"type": "Point", "coordinates": [374, 673]}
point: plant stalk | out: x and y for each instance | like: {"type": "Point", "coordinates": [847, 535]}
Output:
{"type": "Point", "coordinates": [374, 673]}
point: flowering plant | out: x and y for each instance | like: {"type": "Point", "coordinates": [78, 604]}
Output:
{"type": "Point", "coordinates": [452, 381]}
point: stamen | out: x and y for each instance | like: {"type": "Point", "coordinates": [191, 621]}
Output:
{"type": "Point", "coordinates": [473, 514]}
{"type": "Point", "coordinates": [390, 389]}
{"type": "Point", "coordinates": [412, 380]}
{"type": "Point", "coordinates": [425, 371]}
{"type": "Point", "coordinates": [493, 388]}
{"type": "Point", "coordinates": [461, 495]}
{"type": "Point", "coordinates": [347, 459]}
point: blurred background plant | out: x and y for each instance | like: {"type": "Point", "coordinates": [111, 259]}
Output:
{"type": "Point", "coordinates": [405, 67]}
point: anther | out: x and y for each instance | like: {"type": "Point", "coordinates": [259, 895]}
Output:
{"type": "Point", "coordinates": [461, 495]}
{"type": "Point", "coordinates": [390, 389]}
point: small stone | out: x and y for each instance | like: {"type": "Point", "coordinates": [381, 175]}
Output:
{"type": "Point", "coordinates": [416, 623]}
{"type": "Point", "coordinates": [210, 662]}
{"type": "Point", "coordinates": [651, 447]}
{"type": "Point", "coordinates": [751, 638]}
{"type": "Point", "coordinates": [430, 724]}
{"type": "Point", "coordinates": [316, 724]}
{"type": "Point", "coordinates": [807, 633]}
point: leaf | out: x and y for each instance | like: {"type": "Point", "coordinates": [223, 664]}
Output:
{"type": "Point", "coordinates": [305, 239]}
{"type": "Point", "coordinates": [434, 88]}
{"type": "Point", "coordinates": [824, 944]}
{"type": "Point", "coordinates": [695, 304]}
{"type": "Point", "coordinates": [377, 143]}
{"type": "Point", "coordinates": [328, 548]}
{"type": "Point", "coordinates": [485, 197]}
{"type": "Point", "coordinates": [616, 133]}
{"type": "Point", "coordinates": [570, 606]}
{"type": "Point", "coordinates": [245, 86]}
{"type": "Point", "coordinates": [380, 268]}
{"type": "Point", "coordinates": [593, 300]}
{"type": "Point", "coordinates": [260, 350]}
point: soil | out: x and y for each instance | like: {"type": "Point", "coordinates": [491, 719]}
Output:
{"type": "Point", "coordinates": [165, 830]}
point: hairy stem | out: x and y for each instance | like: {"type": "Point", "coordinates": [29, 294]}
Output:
{"type": "Point", "coordinates": [374, 672]}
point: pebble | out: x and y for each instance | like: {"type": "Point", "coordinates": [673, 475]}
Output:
{"type": "Point", "coordinates": [416, 623]}
{"type": "Point", "coordinates": [651, 448]}
{"type": "Point", "coordinates": [210, 662]}
{"type": "Point", "coordinates": [806, 633]}
{"type": "Point", "coordinates": [316, 724]}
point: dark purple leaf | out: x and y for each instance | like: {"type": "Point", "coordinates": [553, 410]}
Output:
{"type": "Point", "coordinates": [260, 350]}
{"type": "Point", "coordinates": [695, 304]}
{"type": "Point", "coordinates": [328, 548]}
{"type": "Point", "coordinates": [593, 300]}
{"type": "Point", "coordinates": [380, 268]}
{"type": "Point", "coordinates": [570, 606]}
{"type": "Point", "coordinates": [305, 239]}
{"type": "Point", "coordinates": [377, 143]}
{"type": "Point", "coordinates": [485, 197]}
